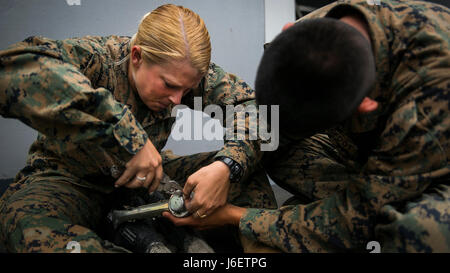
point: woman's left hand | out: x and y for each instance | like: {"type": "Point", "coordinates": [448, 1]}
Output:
{"type": "Point", "coordinates": [211, 185]}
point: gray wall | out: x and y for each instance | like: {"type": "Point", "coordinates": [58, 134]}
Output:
{"type": "Point", "coordinates": [236, 28]}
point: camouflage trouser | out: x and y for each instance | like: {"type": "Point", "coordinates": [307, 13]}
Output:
{"type": "Point", "coordinates": [312, 171]}
{"type": "Point", "coordinates": [44, 214]}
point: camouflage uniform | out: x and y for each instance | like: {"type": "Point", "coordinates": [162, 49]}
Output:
{"type": "Point", "coordinates": [76, 93]}
{"type": "Point", "coordinates": [380, 176]}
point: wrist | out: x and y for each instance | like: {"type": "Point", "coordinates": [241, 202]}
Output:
{"type": "Point", "coordinates": [236, 214]}
{"type": "Point", "coordinates": [223, 167]}
{"type": "Point", "coordinates": [235, 170]}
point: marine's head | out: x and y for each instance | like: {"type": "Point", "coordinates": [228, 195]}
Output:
{"type": "Point", "coordinates": [169, 55]}
{"type": "Point", "coordinates": [318, 71]}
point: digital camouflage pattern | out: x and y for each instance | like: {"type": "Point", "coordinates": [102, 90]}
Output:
{"type": "Point", "coordinates": [76, 93]}
{"type": "Point", "coordinates": [381, 176]}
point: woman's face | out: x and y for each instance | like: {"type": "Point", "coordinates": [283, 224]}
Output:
{"type": "Point", "coordinates": [159, 86]}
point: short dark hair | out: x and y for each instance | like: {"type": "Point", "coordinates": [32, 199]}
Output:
{"type": "Point", "coordinates": [318, 72]}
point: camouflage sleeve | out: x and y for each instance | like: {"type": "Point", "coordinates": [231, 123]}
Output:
{"type": "Point", "coordinates": [413, 153]}
{"type": "Point", "coordinates": [233, 95]}
{"type": "Point", "coordinates": [55, 98]}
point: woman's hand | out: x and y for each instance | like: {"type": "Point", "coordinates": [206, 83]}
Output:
{"type": "Point", "coordinates": [225, 215]}
{"type": "Point", "coordinates": [143, 170]}
{"type": "Point", "coordinates": [211, 185]}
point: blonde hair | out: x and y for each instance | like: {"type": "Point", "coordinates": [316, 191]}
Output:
{"type": "Point", "coordinates": [174, 33]}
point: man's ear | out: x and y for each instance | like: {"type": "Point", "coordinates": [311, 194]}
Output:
{"type": "Point", "coordinates": [136, 57]}
{"type": "Point", "coordinates": [287, 25]}
{"type": "Point", "coordinates": [367, 105]}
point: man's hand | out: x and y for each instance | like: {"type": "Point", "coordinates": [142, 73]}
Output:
{"type": "Point", "coordinates": [225, 215]}
{"type": "Point", "coordinates": [143, 170]}
{"type": "Point", "coordinates": [211, 185]}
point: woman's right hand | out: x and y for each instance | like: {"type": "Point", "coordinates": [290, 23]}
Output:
{"type": "Point", "coordinates": [143, 170]}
